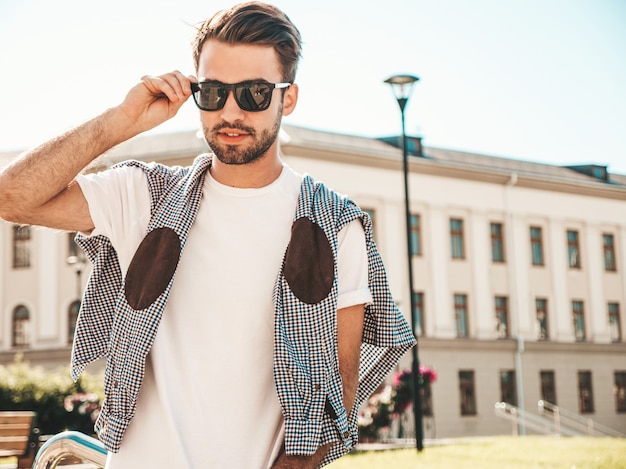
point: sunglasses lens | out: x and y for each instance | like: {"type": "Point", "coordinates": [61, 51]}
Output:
{"type": "Point", "coordinates": [210, 97]}
{"type": "Point", "coordinates": [254, 96]}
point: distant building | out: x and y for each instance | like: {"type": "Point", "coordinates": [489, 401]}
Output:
{"type": "Point", "coordinates": [519, 272]}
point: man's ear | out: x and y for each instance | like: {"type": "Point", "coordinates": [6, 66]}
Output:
{"type": "Point", "coordinates": [290, 99]}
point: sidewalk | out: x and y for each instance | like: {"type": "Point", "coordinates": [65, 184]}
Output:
{"type": "Point", "coordinates": [410, 443]}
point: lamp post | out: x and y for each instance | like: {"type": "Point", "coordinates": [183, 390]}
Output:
{"type": "Point", "coordinates": [402, 86]}
{"type": "Point", "coordinates": [78, 263]}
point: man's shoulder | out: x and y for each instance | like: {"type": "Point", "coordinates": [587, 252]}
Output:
{"type": "Point", "coordinates": [201, 162]}
{"type": "Point", "coordinates": [328, 202]}
{"type": "Point", "coordinates": [319, 187]}
{"type": "Point", "coordinates": [161, 176]}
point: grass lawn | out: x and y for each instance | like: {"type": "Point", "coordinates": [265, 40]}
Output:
{"type": "Point", "coordinates": [502, 452]}
{"type": "Point", "coordinates": [506, 452]}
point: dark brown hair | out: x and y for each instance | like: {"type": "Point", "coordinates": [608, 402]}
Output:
{"type": "Point", "coordinates": [254, 23]}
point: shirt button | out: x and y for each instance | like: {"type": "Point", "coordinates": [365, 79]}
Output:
{"type": "Point", "coordinates": [346, 434]}
{"type": "Point", "coordinates": [318, 387]}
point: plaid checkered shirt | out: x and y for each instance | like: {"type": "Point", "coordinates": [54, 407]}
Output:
{"type": "Point", "coordinates": [306, 369]}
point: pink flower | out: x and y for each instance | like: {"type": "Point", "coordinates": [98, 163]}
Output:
{"type": "Point", "coordinates": [428, 374]}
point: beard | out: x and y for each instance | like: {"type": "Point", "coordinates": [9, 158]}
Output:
{"type": "Point", "coordinates": [237, 154]}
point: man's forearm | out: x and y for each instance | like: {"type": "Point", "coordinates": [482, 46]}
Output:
{"type": "Point", "coordinates": [301, 462]}
{"type": "Point", "coordinates": [36, 188]}
{"type": "Point", "coordinates": [42, 173]}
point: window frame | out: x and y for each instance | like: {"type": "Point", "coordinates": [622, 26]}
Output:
{"type": "Point", "coordinates": [536, 246]}
{"type": "Point", "coordinates": [508, 390]}
{"type": "Point", "coordinates": [619, 390]}
{"type": "Point", "coordinates": [578, 317]}
{"type": "Point", "coordinates": [541, 309]}
{"type": "Point", "coordinates": [547, 386]}
{"type": "Point", "coordinates": [22, 244]}
{"type": "Point", "coordinates": [20, 326]}
{"type": "Point", "coordinates": [498, 252]}
{"type": "Point", "coordinates": [415, 229]}
{"type": "Point", "coordinates": [608, 252]}
{"type": "Point", "coordinates": [467, 393]}
{"type": "Point", "coordinates": [461, 315]}
{"type": "Point", "coordinates": [501, 306]}
{"type": "Point", "coordinates": [457, 239]}
{"type": "Point", "coordinates": [585, 385]}
{"type": "Point", "coordinates": [573, 250]}
{"type": "Point", "coordinates": [615, 321]}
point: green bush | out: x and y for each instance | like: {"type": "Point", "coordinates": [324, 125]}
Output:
{"type": "Point", "coordinates": [52, 395]}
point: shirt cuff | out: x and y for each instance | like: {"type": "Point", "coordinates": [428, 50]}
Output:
{"type": "Point", "coordinates": [356, 297]}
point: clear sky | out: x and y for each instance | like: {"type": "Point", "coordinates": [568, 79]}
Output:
{"type": "Point", "coordinates": [539, 80]}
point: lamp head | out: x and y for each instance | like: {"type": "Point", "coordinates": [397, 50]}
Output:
{"type": "Point", "coordinates": [402, 86]}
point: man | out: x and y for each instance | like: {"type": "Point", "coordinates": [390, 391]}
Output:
{"type": "Point", "coordinates": [251, 357]}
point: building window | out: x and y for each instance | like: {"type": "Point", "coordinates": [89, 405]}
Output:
{"type": "Point", "coordinates": [73, 250]}
{"type": "Point", "coordinates": [460, 315]}
{"type": "Point", "coordinates": [416, 235]}
{"type": "Point", "coordinates": [578, 315]}
{"type": "Point", "coordinates": [72, 317]}
{"type": "Point", "coordinates": [418, 313]}
{"type": "Point", "coordinates": [599, 172]}
{"type": "Point", "coordinates": [615, 325]}
{"type": "Point", "coordinates": [502, 316]}
{"type": "Point", "coordinates": [609, 252]}
{"type": "Point", "coordinates": [508, 392]}
{"type": "Point", "coordinates": [548, 386]}
{"type": "Point", "coordinates": [585, 392]}
{"type": "Point", "coordinates": [497, 242]}
{"type": "Point", "coordinates": [536, 245]}
{"type": "Point", "coordinates": [620, 391]}
{"type": "Point", "coordinates": [467, 392]}
{"type": "Point", "coordinates": [21, 326]}
{"type": "Point", "coordinates": [456, 238]}
{"type": "Point", "coordinates": [541, 306]}
{"type": "Point", "coordinates": [573, 249]}
{"type": "Point", "coordinates": [21, 246]}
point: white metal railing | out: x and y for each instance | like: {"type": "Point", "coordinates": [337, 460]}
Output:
{"type": "Point", "coordinates": [585, 425]}
{"type": "Point", "coordinates": [66, 444]}
{"type": "Point", "coordinates": [528, 420]}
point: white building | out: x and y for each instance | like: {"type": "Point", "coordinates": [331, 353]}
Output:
{"type": "Point", "coordinates": [519, 281]}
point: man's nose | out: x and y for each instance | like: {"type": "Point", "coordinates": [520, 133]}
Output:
{"type": "Point", "coordinates": [231, 110]}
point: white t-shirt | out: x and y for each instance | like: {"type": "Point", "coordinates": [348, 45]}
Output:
{"type": "Point", "coordinates": [208, 399]}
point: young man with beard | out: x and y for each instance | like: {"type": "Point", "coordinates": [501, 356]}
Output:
{"type": "Point", "coordinates": [279, 323]}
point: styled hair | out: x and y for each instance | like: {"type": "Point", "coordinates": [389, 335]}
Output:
{"type": "Point", "coordinates": [254, 23]}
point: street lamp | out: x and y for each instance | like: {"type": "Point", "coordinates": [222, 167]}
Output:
{"type": "Point", "coordinates": [402, 86]}
{"type": "Point", "coordinates": [78, 263]}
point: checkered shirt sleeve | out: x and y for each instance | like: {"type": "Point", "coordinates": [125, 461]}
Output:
{"type": "Point", "coordinates": [107, 325]}
{"type": "Point", "coordinates": [306, 367]}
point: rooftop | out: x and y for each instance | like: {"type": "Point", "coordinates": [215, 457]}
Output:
{"type": "Point", "coordinates": [434, 160]}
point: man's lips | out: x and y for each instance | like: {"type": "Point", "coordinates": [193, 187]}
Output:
{"type": "Point", "coordinates": [232, 133]}
{"type": "Point", "coordinates": [232, 136]}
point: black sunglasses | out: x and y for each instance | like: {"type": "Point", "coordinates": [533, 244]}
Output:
{"type": "Point", "coordinates": [252, 96]}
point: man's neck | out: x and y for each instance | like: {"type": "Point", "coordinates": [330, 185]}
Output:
{"type": "Point", "coordinates": [258, 173]}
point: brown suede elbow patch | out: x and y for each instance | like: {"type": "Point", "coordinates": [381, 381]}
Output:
{"type": "Point", "coordinates": [309, 264]}
{"type": "Point", "coordinates": [152, 267]}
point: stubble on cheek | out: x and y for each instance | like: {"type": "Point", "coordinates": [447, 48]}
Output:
{"type": "Point", "coordinates": [242, 154]}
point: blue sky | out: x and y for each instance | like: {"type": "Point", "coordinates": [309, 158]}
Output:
{"type": "Point", "coordinates": [539, 80]}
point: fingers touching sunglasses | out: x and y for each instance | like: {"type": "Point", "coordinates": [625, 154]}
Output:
{"type": "Point", "coordinates": [251, 96]}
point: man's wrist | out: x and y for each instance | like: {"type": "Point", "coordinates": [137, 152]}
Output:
{"type": "Point", "coordinates": [286, 461]}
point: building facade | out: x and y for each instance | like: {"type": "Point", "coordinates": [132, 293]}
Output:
{"type": "Point", "coordinates": [519, 284]}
